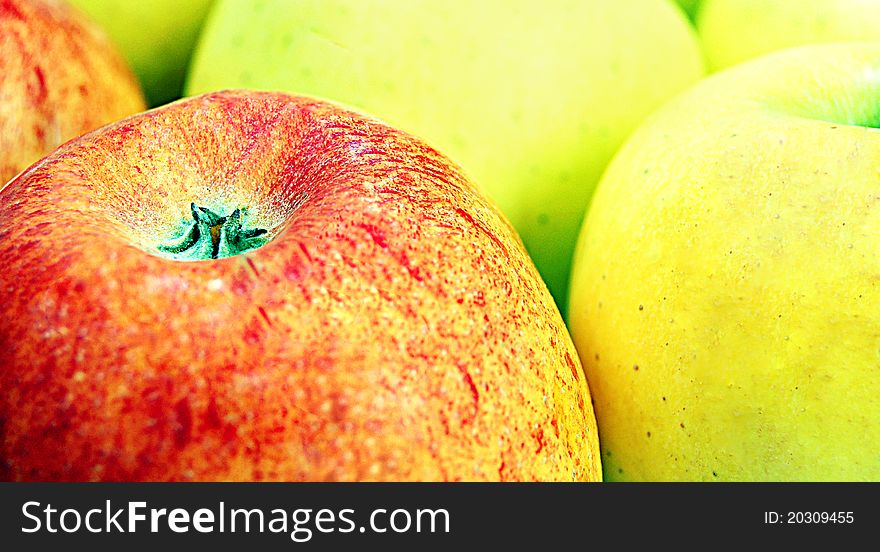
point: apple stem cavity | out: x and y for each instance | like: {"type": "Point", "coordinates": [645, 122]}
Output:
{"type": "Point", "coordinates": [214, 237]}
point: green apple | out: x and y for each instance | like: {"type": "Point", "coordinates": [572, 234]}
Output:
{"type": "Point", "coordinates": [733, 31]}
{"type": "Point", "coordinates": [726, 290]}
{"type": "Point", "coordinates": [531, 98]}
{"type": "Point", "coordinates": [156, 37]}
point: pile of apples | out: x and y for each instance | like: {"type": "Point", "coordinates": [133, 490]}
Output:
{"type": "Point", "coordinates": [339, 243]}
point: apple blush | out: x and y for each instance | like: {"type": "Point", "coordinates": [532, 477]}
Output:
{"type": "Point", "coordinates": [258, 286]}
{"type": "Point", "coordinates": [59, 77]}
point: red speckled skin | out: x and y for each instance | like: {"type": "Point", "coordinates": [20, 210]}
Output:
{"type": "Point", "coordinates": [59, 77]}
{"type": "Point", "coordinates": [393, 329]}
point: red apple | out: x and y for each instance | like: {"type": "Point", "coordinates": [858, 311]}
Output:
{"type": "Point", "coordinates": [387, 325]}
{"type": "Point", "coordinates": [59, 77]}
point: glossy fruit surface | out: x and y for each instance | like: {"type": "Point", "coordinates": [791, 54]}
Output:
{"type": "Point", "coordinates": [733, 31]}
{"type": "Point", "coordinates": [531, 98]}
{"type": "Point", "coordinates": [59, 77]}
{"type": "Point", "coordinates": [725, 300]}
{"type": "Point", "coordinates": [388, 325]}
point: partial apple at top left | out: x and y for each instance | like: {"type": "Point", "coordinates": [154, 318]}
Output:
{"type": "Point", "coordinates": [60, 77]}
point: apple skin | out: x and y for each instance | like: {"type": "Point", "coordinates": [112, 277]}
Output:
{"type": "Point", "coordinates": [393, 328]}
{"type": "Point", "coordinates": [156, 37]}
{"type": "Point", "coordinates": [59, 77]}
{"type": "Point", "coordinates": [530, 98]}
{"type": "Point", "coordinates": [724, 298]}
{"type": "Point", "coordinates": [733, 31]}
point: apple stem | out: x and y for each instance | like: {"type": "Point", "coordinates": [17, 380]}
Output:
{"type": "Point", "coordinates": [214, 237]}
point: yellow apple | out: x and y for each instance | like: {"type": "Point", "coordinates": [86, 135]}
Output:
{"type": "Point", "coordinates": [733, 31]}
{"type": "Point", "coordinates": [531, 98]}
{"type": "Point", "coordinates": [726, 290]}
